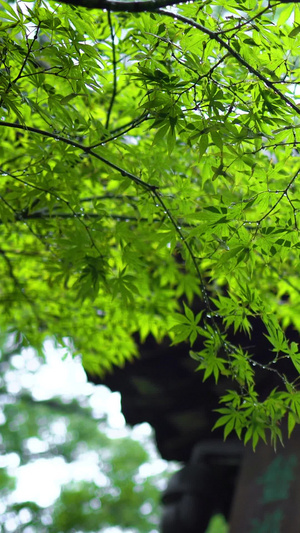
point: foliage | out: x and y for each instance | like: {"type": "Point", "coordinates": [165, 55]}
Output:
{"type": "Point", "coordinates": [149, 158]}
{"type": "Point", "coordinates": [36, 431]}
{"type": "Point", "coordinates": [217, 525]}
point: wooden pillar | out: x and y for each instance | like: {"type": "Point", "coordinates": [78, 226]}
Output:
{"type": "Point", "coordinates": [267, 498]}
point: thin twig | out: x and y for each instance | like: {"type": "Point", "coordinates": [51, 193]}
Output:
{"type": "Point", "coordinates": [284, 193]}
{"type": "Point", "coordinates": [126, 129]}
{"type": "Point", "coordinates": [239, 26]}
{"type": "Point", "coordinates": [114, 61]}
{"type": "Point", "coordinates": [55, 195]}
{"type": "Point", "coordinates": [27, 54]}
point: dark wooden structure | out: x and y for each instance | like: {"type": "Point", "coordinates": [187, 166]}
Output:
{"type": "Point", "coordinates": [163, 388]}
{"type": "Point", "coordinates": [267, 496]}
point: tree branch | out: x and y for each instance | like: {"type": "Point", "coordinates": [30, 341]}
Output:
{"type": "Point", "coordinates": [151, 189]}
{"type": "Point", "coordinates": [139, 6]}
{"type": "Point", "coordinates": [86, 149]}
{"type": "Point", "coordinates": [157, 5]}
{"type": "Point", "coordinates": [213, 35]}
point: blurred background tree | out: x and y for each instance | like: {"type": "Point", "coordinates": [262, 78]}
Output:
{"type": "Point", "coordinates": [63, 427]}
{"type": "Point", "coordinates": [114, 483]}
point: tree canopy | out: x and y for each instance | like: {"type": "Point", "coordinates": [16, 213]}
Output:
{"type": "Point", "coordinates": [149, 158]}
